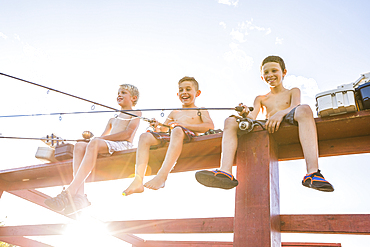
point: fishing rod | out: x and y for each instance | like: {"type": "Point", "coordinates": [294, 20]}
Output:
{"type": "Point", "coordinates": [238, 108]}
{"type": "Point", "coordinates": [42, 139]}
{"type": "Point", "coordinates": [74, 96]}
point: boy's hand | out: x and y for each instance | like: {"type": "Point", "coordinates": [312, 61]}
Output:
{"type": "Point", "coordinates": [154, 123]}
{"type": "Point", "coordinates": [245, 111]}
{"type": "Point", "coordinates": [173, 124]}
{"type": "Point", "coordinates": [273, 123]}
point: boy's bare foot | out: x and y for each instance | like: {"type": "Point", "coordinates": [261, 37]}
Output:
{"type": "Point", "coordinates": [135, 187]}
{"type": "Point", "coordinates": [156, 183]}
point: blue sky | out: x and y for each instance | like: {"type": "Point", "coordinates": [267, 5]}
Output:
{"type": "Point", "coordinates": [88, 48]}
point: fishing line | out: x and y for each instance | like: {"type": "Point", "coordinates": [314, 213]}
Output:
{"type": "Point", "coordinates": [238, 108]}
{"type": "Point", "coordinates": [42, 139]}
{"type": "Point", "coordinates": [74, 96]}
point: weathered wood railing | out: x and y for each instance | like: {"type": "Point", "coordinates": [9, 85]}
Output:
{"type": "Point", "coordinates": [257, 219]}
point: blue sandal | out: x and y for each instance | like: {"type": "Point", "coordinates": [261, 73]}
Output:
{"type": "Point", "coordinates": [216, 179]}
{"type": "Point", "coordinates": [317, 181]}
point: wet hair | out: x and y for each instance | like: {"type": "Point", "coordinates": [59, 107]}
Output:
{"type": "Point", "coordinates": [187, 78]}
{"type": "Point", "coordinates": [133, 91]}
{"type": "Point", "coordinates": [275, 59]}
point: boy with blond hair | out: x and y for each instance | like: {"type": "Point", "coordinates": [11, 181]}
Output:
{"type": "Point", "coordinates": [117, 136]}
{"type": "Point", "coordinates": [280, 104]}
{"type": "Point", "coordinates": [185, 124]}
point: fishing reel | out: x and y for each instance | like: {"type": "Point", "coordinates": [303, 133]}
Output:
{"type": "Point", "coordinates": [245, 124]}
{"type": "Point", "coordinates": [52, 140]}
{"type": "Point", "coordinates": [248, 124]}
{"type": "Point", "coordinates": [87, 135]}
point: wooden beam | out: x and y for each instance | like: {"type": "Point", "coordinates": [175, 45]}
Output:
{"type": "Point", "coordinates": [32, 230]}
{"type": "Point", "coordinates": [310, 245]}
{"type": "Point", "coordinates": [333, 224]}
{"type": "Point", "coordinates": [257, 195]}
{"type": "Point", "coordinates": [198, 225]}
{"type": "Point", "coordinates": [38, 198]}
{"type": "Point", "coordinates": [152, 243]}
{"type": "Point", "coordinates": [204, 152]}
{"type": "Point", "coordinates": [335, 147]}
{"type": "Point", "coordinates": [21, 241]}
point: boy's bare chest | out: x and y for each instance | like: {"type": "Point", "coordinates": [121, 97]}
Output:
{"type": "Point", "coordinates": [119, 124]}
{"type": "Point", "coordinates": [186, 117]}
{"type": "Point", "coordinates": [276, 102]}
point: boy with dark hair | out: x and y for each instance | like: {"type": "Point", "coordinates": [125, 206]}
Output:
{"type": "Point", "coordinates": [184, 126]}
{"type": "Point", "coordinates": [280, 104]}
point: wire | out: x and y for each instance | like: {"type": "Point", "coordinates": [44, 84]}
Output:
{"type": "Point", "coordinates": [86, 112]}
{"type": "Point", "coordinates": [74, 96]}
{"type": "Point", "coordinates": [125, 112]}
{"type": "Point", "coordinates": [53, 114]}
{"type": "Point", "coordinates": [42, 139]}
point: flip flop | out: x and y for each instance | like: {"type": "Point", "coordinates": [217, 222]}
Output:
{"type": "Point", "coordinates": [216, 179]}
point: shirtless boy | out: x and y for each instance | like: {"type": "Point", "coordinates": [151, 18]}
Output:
{"type": "Point", "coordinates": [280, 104]}
{"type": "Point", "coordinates": [185, 124]}
{"type": "Point", "coordinates": [118, 135]}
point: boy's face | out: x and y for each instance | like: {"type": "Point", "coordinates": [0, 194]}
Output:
{"type": "Point", "coordinates": [272, 74]}
{"type": "Point", "coordinates": [187, 93]}
{"type": "Point", "coordinates": [124, 98]}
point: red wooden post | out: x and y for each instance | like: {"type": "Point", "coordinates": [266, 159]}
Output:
{"type": "Point", "coordinates": [257, 208]}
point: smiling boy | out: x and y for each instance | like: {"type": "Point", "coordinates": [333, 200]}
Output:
{"type": "Point", "coordinates": [280, 104]}
{"type": "Point", "coordinates": [118, 135]}
{"type": "Point", "coordinates": [185, 124]}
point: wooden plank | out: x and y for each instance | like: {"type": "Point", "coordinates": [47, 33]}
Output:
{"type": "Point", "coordinates": [195, 155]}
{"type": "Point", "coordinates": [335, 147]}
{"type": "Point", "coordinates": [33, 230]}
{"type": "Point", "coordinates": [21, 241]}
{"type": "Point", "coordinates": [329, 128]}
{"type": "Point", "coordinates": [198, 225]}
{"type": "Point", "coordinates": [333, 224]}
{"type": "Point", "coordinates": [257, 195]}
{"type": "Point", "coordinates": [202, 153]}
{"type": "Point", "coordinates": [151, 243]}
{"type": "Point", "coordinates": [311, 245]}
{"type": "Point", "coordinates": [38, 198]}
{"type": "Point", "coordinates": [227, 244]}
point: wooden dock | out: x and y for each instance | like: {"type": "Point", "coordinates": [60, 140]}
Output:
{"type": "Point", "coordinates": [257, 219]}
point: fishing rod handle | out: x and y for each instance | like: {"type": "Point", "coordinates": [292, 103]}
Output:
{"type": "Point", "coordinates": [240, 108]}
{"type": "Point", "coordinates": [152, 121]}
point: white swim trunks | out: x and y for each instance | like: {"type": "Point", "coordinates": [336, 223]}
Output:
{"type": "Point", "coordinates": [115, 146]}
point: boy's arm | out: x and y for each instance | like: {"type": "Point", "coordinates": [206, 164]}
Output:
{"type": "Point", "coordinates": [256, 108]}
{"type": "Point", "coordinates": [273, 123]}
{"type": "Point", "coordinates": [108, 127]}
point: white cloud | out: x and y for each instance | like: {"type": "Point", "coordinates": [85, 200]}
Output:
{"type": "Point", "coordinates": [223, 24]}
{"type": "Point", "coordinates": [244, 28]}
{"type": "Point", "coordinates": [237, 35]}
{"type": "Point", "coordinates": [279, 41]}
{"type": "Point", "coordinates": [229, 2]}
{"type": "Point", "coordinates": [238, 55]}
{"type": "Point", "coordinates": [308, 87]}
{"type": "Point", "coordinates": [3, 35]}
